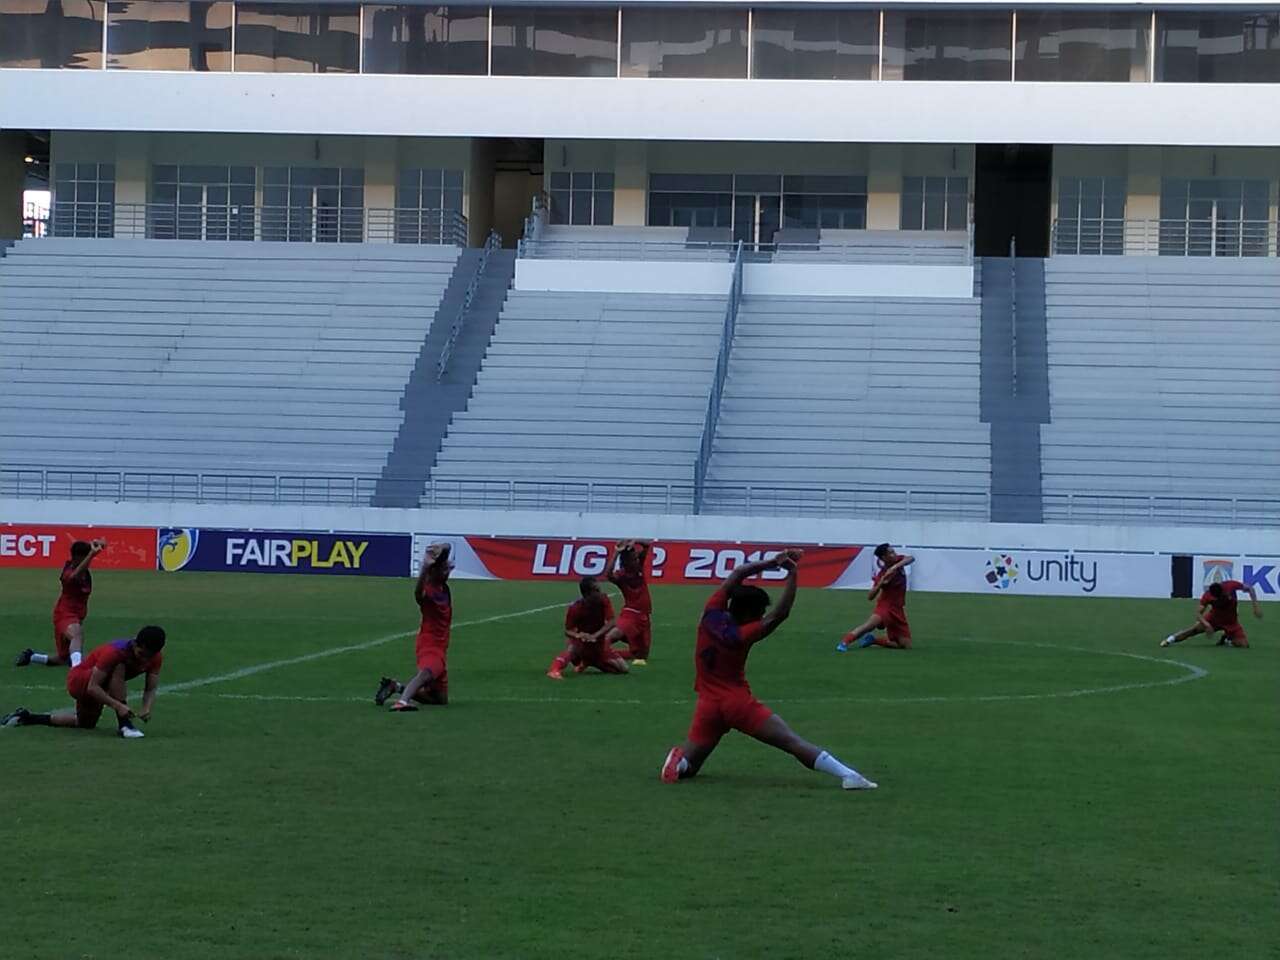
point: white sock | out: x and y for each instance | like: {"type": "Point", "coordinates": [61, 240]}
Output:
{"type": "Point", "coordinates": [826, 763]}
{"type": "Point", "coordinates": [75, 659]}
{"type": "Point", "coordinates": [39, 658]}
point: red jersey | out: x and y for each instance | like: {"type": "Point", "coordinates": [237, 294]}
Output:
{"type": "Point", "coordinates": [110, 655]}
{"type": "Point", "coordinates": [73, 602]}
{"type": "Point", "coordinates": [1224, 607]}
{"type": "Point", "coordinates": [893, 595]}
{"type": "Point", "coordinates": [588, 617]}
{"type": "Point", "coordinates": [436, 604]}
{"type": "Point", "coordinates": [635, 590]}
{"type": "Point", "coordinates": [720, 661]}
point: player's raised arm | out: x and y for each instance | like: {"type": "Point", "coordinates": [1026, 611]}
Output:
{"type": "Point", "coordinates": [611, 565]}
{"type": "Point", "coordinates": [95, 548]}
{"type": "Point", "coordinates": [782, 609]}
{"type": "Point", "coordinates": [746, 570]}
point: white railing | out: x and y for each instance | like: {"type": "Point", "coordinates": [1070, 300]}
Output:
{"type": "Point", "coordinates": [712, 418]}
{"type": "Point", "coordinates": [1167, 238]}
{"type": "Point", "coordinates": [299, 224]}
{"type": "Point", "coordinates": [491, 243]}
{"type": "Point", "coordinates": [725, 499]}
{"type": "Point", "coordinates": [842, 252]}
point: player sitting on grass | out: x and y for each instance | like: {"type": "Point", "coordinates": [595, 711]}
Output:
{"type": "Point", "coordinates": [100, 681]}
{"type": "Point", "coordinates": [586, 624]}
{"type": "Point", "coordinates": [1218, 612]}
{"type": "Point", "coordinates": [735, 618]}
{"type": "Point", "coordinates": [70, 611]}
{"type": "Point", "coordinates": [626, 572]}
{"type": "Point", "coordinates": [430, 685]}
{"type": "Point", "coordinates": [889, 591]}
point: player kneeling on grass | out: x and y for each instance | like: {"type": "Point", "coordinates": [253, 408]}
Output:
{"type": "Point", "coordinates": [100, 682]}
{"type": "Point", "coordinates": [430, 685]}
{"type": "Point", "coordinates": [735, 618]}
{"type": "Point", "coordinates": [70, 611]}
{"type": "Point", "coordinates": [1218, 612]}
{"type": "Point", "coordinates": [625, 569]}
{"type": "Point", "coordinates": [889, 592]}
{"type": "Point", "coordinates": [586, 624]}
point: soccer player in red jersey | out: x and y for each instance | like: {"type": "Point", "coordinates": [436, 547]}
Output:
{"type": "Point", "coordinates": [430, 685]}
{"type": "Point", "coordinates": [626, 572]}
{"type": "Point", "coordinates": [736, 618]}
{"type": "Point", "coordinates": [71, 609]}
{"type": "Point", "coordinates": [1218, 613]}
{"type": "Point", "coordinates": [586, 624]}
{"type": "Point", "coordinates": [100, 681]}
{"type": "Point", "coordinates": [889, 591]}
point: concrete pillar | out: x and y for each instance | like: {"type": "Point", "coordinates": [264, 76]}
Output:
{"type": "Point", "coordinates": [630, 183]}
{"type": "Point", "coordinates": [1143, 198]}
{"type": "Point", "coordinates": [884, 186]}
{"type": "Point", "coordinates": [381, 159]}
{"type": "Point", "coordinates": [13, 174]}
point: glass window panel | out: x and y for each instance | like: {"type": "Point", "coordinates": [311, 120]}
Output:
{"type": "Point", "coordinates": [816, 44]}
{"type": "Point", "coordinates": [51, 34]}
{"type": "Point", "coordinates": [582, 180]}
{"type": "Point", "coordinates": [603, 214]}
{"type": "Point", "coordinates": [452, 199]}
{"type": "Point", "coordinates": [295, 38]}
{"type": "Point", "coordinates": [757, 183]}
{"type": "Point", "coordinates": [691, 182]}
{"type": "Point", "coordinates": [169, 35]}
{"type": "Point", "coordinates": [559, 206]}
{"type": "Point", "coordinates": [1226, 47]}
{"type": "Point", "coordinates": [409, 197]}
{"type": "Point", "coordinates": [560, 181]}
{"type": "Point", "coordinates": [1099, 46]}
{"type": "Point", "coordinates": [604, 181]}
{"type": "Point", "coordinates": [242, 175]}
{"type": "Point", "coordinates": [684, 42]}
{"type": "Point", "coordinates": [164, 192]}
{"type": "Point", "coordinates": [164, 173]}
{"type": "Point", "coordinates": [580, 207]}
{"type": "Point", "coordinates": [947, 45]}
{"type": "Point", "coordinates": [273, 175]}
{"type": "Point", "coordinates": [555, 41]}
{"type": "Point", "coordinates": [350, 177]}
{"type": "Point", "coordinates": [426, 40]}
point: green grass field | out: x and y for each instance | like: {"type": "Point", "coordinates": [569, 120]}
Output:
{"type": "Point", "coordinates": [280, 815]}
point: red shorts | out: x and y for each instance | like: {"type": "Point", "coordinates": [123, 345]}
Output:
{"type": "Point", "coordinates": [1233, 630]}
{"type": "Point", "coordinates": [601, 656]}
{"type": "Point", "coordinates": [895, 623]}
{"type": "Point", "coordinates": [88, 710]}
{"type": "Point", "coordinates": [61, 621]}
{"type": "Point", "coordinates": [717, 714]}
{"type": "Point", "coordinates": [637, 630]}
{"type": "Point", "coordinates": [431, 657]}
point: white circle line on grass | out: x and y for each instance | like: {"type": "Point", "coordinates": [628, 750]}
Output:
{"type": "Point", "coordinates": [1190, 672]}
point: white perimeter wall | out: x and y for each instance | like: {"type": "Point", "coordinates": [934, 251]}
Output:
{"type": "Point", "coordinates": [758, 279]}
{"type": "Point", "coordinates": [1008, 536]}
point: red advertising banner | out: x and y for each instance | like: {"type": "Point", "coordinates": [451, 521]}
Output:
{"type": "Point", "coordinates": [670, 561]}
{"type": "Point", "coordinates": [49, 545]}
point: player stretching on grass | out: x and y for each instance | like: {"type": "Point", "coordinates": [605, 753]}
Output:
{"type": "Point", "coordinates": [100, 681]}
{"type": "Point", "coordinates": [626, 572]}
{"type": "Point", "coordinates": [735, 618]}
{"type": "Point", "coordinates": [1218, 612]}
{"type": "Point", "coordinates": [71, 609]}
{"type": "Point", "coordinates": [430, 685]}
{"type": "Point", "coordinates": [586, 624]}
{"type": "Point", "coordinates": [889, 591]}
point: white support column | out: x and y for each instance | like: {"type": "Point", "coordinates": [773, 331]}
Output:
{"type": "Point", "coordinates": [630, 183]}
{"type": "Point", "coordinates": [884, 186]}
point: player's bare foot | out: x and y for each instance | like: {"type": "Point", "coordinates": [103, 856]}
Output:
{"type": "Point", "coordinates": [555, 673]}
{"type": "Point", "coordinates": [403, 706]}
{"type": "Point", "coordinates": [858, 783]}
{"type": "Point", "coordinates": [386, 687]}
{"type": "Point", "coordinates": [24, 658]}
{"type": "Point", "coordinates": [671, 766]}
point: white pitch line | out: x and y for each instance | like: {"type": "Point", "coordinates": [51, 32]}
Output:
{"type": "Point", "coordinates": [335, 651]}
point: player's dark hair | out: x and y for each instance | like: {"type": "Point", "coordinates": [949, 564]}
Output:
{"type": "Point", "coordinates": [79, 550]}
{"type": "Point", "coordinates": [150, 639]}
{"type": "Point", "coordinates": [881, 550]}
{"type": "Point", "coordinates": [748, 603]}
{"type": "Point", "coordinates": [1215, 589]}
{"type": "Point", "coordinates": [586, 586]}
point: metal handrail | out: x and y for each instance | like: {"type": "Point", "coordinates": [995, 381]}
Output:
{"type": "Point", "coordinates": [1013, 314]}
{"type": "Point", "coordinates": [231, 221]}
{"type": "Point", "coordinates": [535, 223]}
{"type": "Point", "coordinates": [712, 418]}
{"type": "Point", "coordinates": [491, 243]}
{"type": "Point", "coordinates": [764, 499]}
{"type": "Point", "coordinates": [841, 251]}
{"type": "Point", "coordinates": [1179, 237]}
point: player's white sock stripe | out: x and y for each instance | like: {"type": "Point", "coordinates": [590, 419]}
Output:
{"type": "Point", "coordinates": [335, 651]}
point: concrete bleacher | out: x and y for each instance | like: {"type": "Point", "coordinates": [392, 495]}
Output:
{"type": "Point", "coordinates": [232, 358]}
{"type": "Point", "coordinates": [560, 242]}
{"type": "Point", "coordinates": [875, 394]}
{"type": "Point", "coordinates": [1163, 384]}
{"type": "Point", "coordinates": [589, 387]}
{"type": "Point", "coordinates": [935, 247]}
